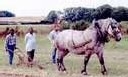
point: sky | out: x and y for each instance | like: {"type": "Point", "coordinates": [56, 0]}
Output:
{"type": "Point", "coordinates": [43, 7]}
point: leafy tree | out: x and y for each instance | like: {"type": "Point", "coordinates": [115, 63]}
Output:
{"type": "Point", "coordinates": [73, 16]}
{"type": "Point", "coordinates": [52, 16]}
{"type": "Point", "coordinates": [120, 14]}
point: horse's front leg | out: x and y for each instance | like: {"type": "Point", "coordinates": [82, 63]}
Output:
{"type": "Point", "coordinates": [101, 60]}
{"type": "Point", "coordinates": [86, 59]}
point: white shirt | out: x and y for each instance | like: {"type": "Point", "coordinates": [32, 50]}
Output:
{"type": "Point", "coordinates": [30, 42]}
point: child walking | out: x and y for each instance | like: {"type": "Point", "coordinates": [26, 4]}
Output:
{"type": "Point", "coordinates": [10, 45]}
{"type": "Point", "coordinates": [30, 41]}
{"type": "Point", "coordinates": [52, 36]}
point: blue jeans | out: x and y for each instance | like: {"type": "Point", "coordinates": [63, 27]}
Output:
{"type": "Point", "coordinates": [53, 55]}
{"type": "Point", "coordinates": [11, 53]}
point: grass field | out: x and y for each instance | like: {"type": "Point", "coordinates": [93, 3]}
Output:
{"type": "Point", "coordinates": [116, 60]}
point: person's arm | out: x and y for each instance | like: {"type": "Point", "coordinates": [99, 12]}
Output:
{"type": "Point", "coordinates": [6, 43]}
{"type": "Point", "coordinates": [26, 38]}
{"type": "Point", "coordinates": [51, 37]}
{"type": "Point", "coordinates": [15, 41]}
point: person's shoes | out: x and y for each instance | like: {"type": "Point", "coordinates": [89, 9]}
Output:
{"type": "Point", "coordinates": [54, 62]}
{"type": "Point", "coordinates": [10, 63]}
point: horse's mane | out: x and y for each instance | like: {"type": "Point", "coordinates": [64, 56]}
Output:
{"type": "Point", "coordinates": [102, 37]}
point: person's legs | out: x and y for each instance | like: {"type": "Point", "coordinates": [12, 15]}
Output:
{"type": "Point", "coordinates": [53, 55]}
{"type": "Point", "coordinates": [10, 57]}
{"type": "Point", "coordinates": [32, 54]}
{"type": "Point", "coordinates": [29, 56]}
{"type": "Point", "coordinates": [11, 54]}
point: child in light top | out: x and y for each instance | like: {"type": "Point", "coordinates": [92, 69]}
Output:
{"type": "Point", "coordinates": [52, 36]}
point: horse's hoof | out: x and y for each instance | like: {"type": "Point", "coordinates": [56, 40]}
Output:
{"type": "Point", "coordinates": [104, 72]}
{"type": "Point", "coordinates": [64, 69]}
{"type": "Point", "coordinates": [59, 69]}
{"type": "Point", "coordinates": [84, 72]}
{"type": "Point", "coordinates": [65, 72]}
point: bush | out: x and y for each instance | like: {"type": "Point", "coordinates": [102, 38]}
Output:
{"type": "Point", "coordinates": [78, 25]}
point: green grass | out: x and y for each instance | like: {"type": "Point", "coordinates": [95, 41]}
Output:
{"type": "Point", "coordinates": [116, 60]}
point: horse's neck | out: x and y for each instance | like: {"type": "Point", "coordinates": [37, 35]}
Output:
{"type": "Point", "coordinates": [97, 35]}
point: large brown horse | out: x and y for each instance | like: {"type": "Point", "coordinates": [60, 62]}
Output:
{"type": "Point", "coordinates": [88, 42]}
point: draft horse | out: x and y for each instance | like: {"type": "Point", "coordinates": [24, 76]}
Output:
{"type": "Point", "coordinates": [87, 42]}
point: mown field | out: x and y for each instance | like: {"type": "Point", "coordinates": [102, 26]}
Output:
{"type": "Point", "coordinates": [115, 54]}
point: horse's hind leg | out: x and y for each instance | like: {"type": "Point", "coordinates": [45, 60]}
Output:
{"type": "Point", "coordinates": [60, 63]}
{"type": "Point", "coordinates": [101, 60]}
{"type": "Point", "coordinates": [86, 59]}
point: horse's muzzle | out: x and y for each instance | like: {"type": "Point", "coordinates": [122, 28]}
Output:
{"type": "Point", "coordinates": [118, 36]}
{"type": "Point", "coordinates": [118, 39]}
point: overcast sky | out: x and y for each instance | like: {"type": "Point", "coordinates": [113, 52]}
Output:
{"type": "Point", "coordinates": [42, 7]}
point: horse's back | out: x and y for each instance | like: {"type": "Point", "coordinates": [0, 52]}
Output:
{"type": "Point", "coordinates": [68, 39]}
{"type": "Point", "coordinates": [68, 35]}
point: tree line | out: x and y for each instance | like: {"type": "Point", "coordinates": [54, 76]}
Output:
{"type": "Point", "coordinates": [74, 14]}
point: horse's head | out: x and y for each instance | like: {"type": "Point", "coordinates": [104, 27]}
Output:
{"type": "Point", "coordinates": [112, 28]}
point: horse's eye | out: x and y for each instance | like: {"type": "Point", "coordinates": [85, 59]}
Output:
{"type": "Point", "coordinates": [114, 24]}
